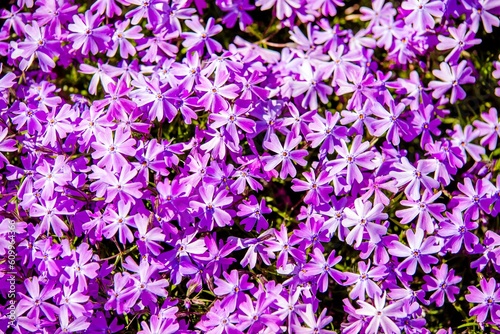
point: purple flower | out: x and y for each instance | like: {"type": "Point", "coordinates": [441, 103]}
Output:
{"type": "Point", "coordinates": [463, 138]}
{"type": "Point", "coordinates": [474, 198]}
{"type": "Point", "coordinates": [211, 209]}
{"type": "Point", "coordinates": [422, 12]}
{"type": "Point", "coordinates": [320, 268]}
{"type": "Point", "coordinates": [196, 40]}
{"type": "Point", "coordinates": [325, 131]}
{"type": "Point", "coordinates": [425, 209]}
{"type": "Point", "coordinates": [77, 325]}
{"type": "Point", "coordinates": [150, 9]}
{"type": "Point", "coordinates": [284, 8]}
{"type": "Point", "coordinates": [417, 252]}
{"type": "Point", "coordinates": [143, 286]}
{"type": "Point", "coordinates": [253, 211]}
{"type": "Point", "coordinates": [255, 317]}
{"type": "Point", "coordinates": [487, 299]}
{"type": "Point", "coordinates": [351, 158]}
{"type": "Point", "coordinates": [412, 177]}
{"type": "Point", "coordinates": [313, 87]}
{"type": "Point", "coordinates": [363, 282]}
{"type": "Point", "coordinates": [110, 151]}
{"type": "Point", "coordinates": [6, 145]}
{"type": "Point", "coordinates": [456, 232]}
{"type": "Point", "coordinates": [443, 283]}
{"type": "Point", "coordinates": [461, 39]}
{"type": "Point", "coordinates": [489, 129]}
{"type": "Point", "coordinates": [37, 301]}
{"type": "Point", "coordinates": [121, 39]}
{"type": "Point", "coordinates": [380, 314]}
{"type": "Point", "coordinates": [285, 247]}
{"type": "Point", "coordinates": [232, 289]}
{"type": "Point", "coordinates": [364, 217]}
{"type": "Point", "coordinates": [318, 187]}
{"type": "Point", "coordinates": [315, 325]}
{"type": "Point", "coordinates": [159, 324]}
{"type": "Point", "coordinates": [87, 36]}
{"type": "Point", "coordinates": [285, 154]}
{"type": "Point", "coordinates": [237, 10]}
{"type": "Point", "coordinates": [216, 93]}
{"type": "Point", "coordinates": [39, 43]}
{"type": "Point", "coordinates": [389, 121]}
{"type": "Point", "coordinates": [451, 77]}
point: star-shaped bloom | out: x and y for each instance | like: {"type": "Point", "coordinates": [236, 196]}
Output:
{"type": "Point", "coordinates": [380, 315]}
{"type": "Point", "coordinates": [285, 154]}
{"type": "Point", "coordinates": [418, 251]}
{"type": "Point", "coordinates": [451, 78]}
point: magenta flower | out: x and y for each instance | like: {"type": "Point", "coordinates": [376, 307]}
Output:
{"type": "Point", "coordinates": [87, 36]}
{"type": "Point", "coordinates": [285, 154]}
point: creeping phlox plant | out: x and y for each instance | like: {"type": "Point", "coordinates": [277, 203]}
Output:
{"type": "Point", "coordinates": [231, 166]}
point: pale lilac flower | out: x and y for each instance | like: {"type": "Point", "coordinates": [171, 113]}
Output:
{"type": "Point", "coordinates": [380, 315]}
{"type": "Point", "coordinates": [285, 154]}
{"type": "Point", "coordinates": [87, 36]}
{"type": "Point", "coordinates": [417, 252]}
{"type": "Point", "coordinates": [363, 218]}
{"type": "Point", "coordinates": [451, 77]}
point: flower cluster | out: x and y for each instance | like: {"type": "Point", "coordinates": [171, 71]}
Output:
{"type": "Point", "coordinates": [230, 166]}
